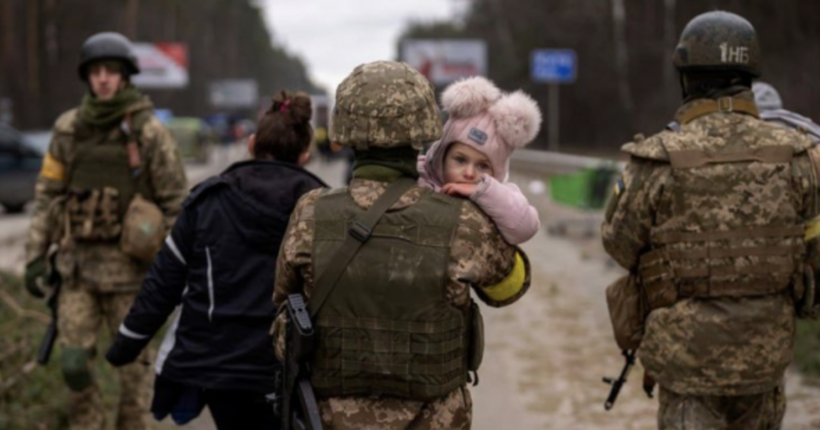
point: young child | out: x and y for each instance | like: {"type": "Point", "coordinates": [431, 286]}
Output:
{"type": "Point", "coordinates": [472, 159]}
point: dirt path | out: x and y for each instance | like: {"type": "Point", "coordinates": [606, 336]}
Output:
{"type": "Point", "coordinates": [546, 354]}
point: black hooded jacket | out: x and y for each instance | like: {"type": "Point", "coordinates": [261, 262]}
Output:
{"type": "Point", "coordinates": [219, 263]}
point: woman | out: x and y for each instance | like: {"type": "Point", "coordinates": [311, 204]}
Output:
{"type": "Point", "coordinates": [218, 265]}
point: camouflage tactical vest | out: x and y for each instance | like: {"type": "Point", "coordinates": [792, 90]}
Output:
{"type": "Point", "coordinates": [101, 182]}
{"type": "Point", "coordinates": [735, 229]}
{"type": "Point", "coordinates": [387, 327]}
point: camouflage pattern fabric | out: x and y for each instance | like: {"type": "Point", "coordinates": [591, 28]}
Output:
{"type": "Point", "coordinates": [100, 281]}
{"type": "Point", "coordinates": [385, 104]}
{"type": "Point", "coordinates": [81, 313]}
{"type": "Point", "coordinates": [479, 258]}
{"type": "Point", "coordinates": [763, 411]}
{"type": "Point", "coordinates": [727, 346]}
{"type": "Point", "coordinates": [100, 263]}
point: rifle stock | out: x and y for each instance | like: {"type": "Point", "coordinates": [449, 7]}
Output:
{"type": "Point", "coordinates": [299, 408]}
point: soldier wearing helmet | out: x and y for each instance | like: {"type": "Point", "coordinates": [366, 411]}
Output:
{"type": "Point", "coordinates": [110, 187]}
{"type": "Point", "coordinates": [397, 331]}
{"type": "Point", "coordinates": [716, 219]}
{"type": "Point", "coordinates": [771, 109]}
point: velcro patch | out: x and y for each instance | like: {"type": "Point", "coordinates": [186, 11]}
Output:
{"type": "Point", "coordinates": [477, 136]}
{"type": "Point", "coordinates": [619, 187]}
{"type": "Point", "coordinates": [52, 169]}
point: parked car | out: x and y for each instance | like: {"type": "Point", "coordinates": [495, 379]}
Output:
{"type": "Point", "coordinates": [194, 137]}
{"type": "Point", "coordinates": [20, 161]}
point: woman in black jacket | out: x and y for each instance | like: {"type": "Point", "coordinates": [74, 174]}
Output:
{"type": "Point", "coordinates": [217, 266]}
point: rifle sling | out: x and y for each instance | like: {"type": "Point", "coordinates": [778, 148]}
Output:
{"type": "Point", "coordinates": [358, 234]}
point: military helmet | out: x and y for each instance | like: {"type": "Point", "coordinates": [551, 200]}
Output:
{"type": "Point", "coordinates": [718, 41]}
{"type": "Point", "coordinates": [108, 46]}
{"type": "Point", "coordinates": [766, 96]}
{"type": "Point", "coordinates": [385, 104]}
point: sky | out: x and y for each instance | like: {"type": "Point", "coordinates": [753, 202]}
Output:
{"type": "Point", "coordinates": [321, 32]}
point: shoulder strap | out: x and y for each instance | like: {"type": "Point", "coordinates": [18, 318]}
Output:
{"type": "Point", "coordinates": [358, 234]}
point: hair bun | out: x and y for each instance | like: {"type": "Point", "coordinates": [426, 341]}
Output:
{"type": "Point", "coordinates": [517, 118]}
{"type": "Point", "coordinates": [469, 97]}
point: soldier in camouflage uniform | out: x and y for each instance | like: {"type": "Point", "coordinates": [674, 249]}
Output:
{"type": "Point", "coordinates": [103, 154]}
{"type": "Point", "coordinates": [403, 339]}
{"type": "Point", "coordinates": [717, 219]}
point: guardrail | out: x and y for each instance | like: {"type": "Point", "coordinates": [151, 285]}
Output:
{"type": "Point", "coordinates": [556, 162]}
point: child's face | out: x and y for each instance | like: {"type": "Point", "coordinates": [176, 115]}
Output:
{"type": "Point", "coordinates": [464, 164]}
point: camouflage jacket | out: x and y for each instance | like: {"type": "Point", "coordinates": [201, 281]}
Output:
{"type": "Point", "coordinates": [101, 266]}
{"type": "Point", "coordinates": [718, 346]}
{"type": "Point", "coordinates": [479, 259]}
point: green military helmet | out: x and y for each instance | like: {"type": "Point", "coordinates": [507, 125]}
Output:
{"type": "Point", "coordinates": [108, 46]}
{"type": "Point", "coordinates": [385, 104]}
{"type": "Point", "coordinates": [718, 41]}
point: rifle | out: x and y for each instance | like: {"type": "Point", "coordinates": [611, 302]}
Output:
{"type": "Point", "coordinates": [617, 384]}
{"type": "Point", "coordinates": [47, 344]}
{"type": "Point", "coordinates": [299, 408]}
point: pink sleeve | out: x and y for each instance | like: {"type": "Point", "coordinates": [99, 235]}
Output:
{"type": "Point", "coordinates": [507, 206]}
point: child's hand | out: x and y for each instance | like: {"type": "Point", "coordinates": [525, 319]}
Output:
{"type": "Point", "coordinates": [459, 189]}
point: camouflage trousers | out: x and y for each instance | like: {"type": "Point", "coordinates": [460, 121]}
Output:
{"type": "Point", "coordinates": [81, 313]}
{"type": "Point", "coordinates": [453, 412]}
{"type": "Point", "coordinates": [763, 411]}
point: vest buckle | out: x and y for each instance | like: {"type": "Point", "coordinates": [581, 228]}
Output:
{"type": "Point", "coordinates": [359, 231]}
{"type": "Point", "coordinates": [726, 104]}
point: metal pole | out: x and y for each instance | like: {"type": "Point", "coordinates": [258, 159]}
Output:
{"type": "Point", "coordinates": [553, 117]}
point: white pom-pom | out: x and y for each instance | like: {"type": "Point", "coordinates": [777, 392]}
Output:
{"type": "Point", "coordinates": [469, 97]}
{"type": "Point", "coordinates": [517, 118]}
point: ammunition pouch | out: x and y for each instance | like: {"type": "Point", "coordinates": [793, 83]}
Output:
{"type": "Point", "coordinates": [628, 309]}
{"type": "Point", "coordinates": [475, 351]}
{"type": "Point", "coordinates": [94, 215]}
{"type": "Point", "coordinates": [143, 230]}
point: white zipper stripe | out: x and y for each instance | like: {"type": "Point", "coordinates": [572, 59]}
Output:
{"type": "Point", "coordinates": [170, 242]}
{"type": "Point", "coordinates": [125, 331]}
{"type": "Point", "coordinates": [210, 285]}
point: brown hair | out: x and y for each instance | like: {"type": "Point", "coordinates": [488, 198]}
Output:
{"type": "Point", "coordinates": [284, 132]}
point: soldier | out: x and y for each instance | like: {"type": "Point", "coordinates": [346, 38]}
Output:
{"type": "Point", "coordinates": [716, 218]}
{"type": "Point", "coordinates": [111, 167]}
{"type": "Point", "coordinates": [771, 109]}
{"type": "Point", "coordinates": [402, 303]}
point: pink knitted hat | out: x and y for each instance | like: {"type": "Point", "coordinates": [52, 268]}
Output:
{"type": "Point", "coordinates": [485, 119]}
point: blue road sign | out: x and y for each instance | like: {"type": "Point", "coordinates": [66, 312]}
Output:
{"type": "Point", "coordinates": [557, 66]}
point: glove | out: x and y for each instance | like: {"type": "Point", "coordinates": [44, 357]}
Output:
{"type": "Point", "coordinates": [35, 271]}
{"type": "Point", "coordinates": [124, 350]}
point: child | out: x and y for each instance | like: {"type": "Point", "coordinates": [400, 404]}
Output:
{"type": "Point", "coordinates": [472, 158]}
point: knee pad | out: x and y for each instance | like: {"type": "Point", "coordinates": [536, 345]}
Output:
{"type": "Point", "coordinates": [76, 371]}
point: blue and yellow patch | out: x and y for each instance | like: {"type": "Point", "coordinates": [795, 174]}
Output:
{"type": "Point", "coordinates": [618, 188]}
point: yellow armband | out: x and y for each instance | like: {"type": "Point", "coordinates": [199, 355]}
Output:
{"type": "Point", "coordinates": [812, 229]}
{"type": "Point", "coordinates": [52, 169]}
{"type": "Point", "coordinates": [511, 285]}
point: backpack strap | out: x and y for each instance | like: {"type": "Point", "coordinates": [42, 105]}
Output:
{"type": "Point", "coordinates": [358, 234]}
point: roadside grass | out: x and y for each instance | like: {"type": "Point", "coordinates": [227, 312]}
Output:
{"type": "Point", "coordinates": [807, 349]}
{"type": "Point", "coordinates": [34, 397]}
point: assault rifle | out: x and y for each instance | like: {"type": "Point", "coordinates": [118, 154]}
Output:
{"type": "Point", "coordinates": [299, 408]}
{"type": "Point", "coordinates": [617, 384]}
{"type": "Point", "coordinates": [55, 282]}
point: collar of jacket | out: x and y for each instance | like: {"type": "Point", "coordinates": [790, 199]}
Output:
{"type": "Point", "coordinates": [742, 102]}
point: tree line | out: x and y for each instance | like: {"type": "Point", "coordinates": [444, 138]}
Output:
{"type": "Point", "coordinates": [40, 42]}
{"type": "Point", "coordinates": [626, 83]}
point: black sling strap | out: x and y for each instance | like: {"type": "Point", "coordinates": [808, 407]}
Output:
{"type": "Point", "coordinates": [358, 234]}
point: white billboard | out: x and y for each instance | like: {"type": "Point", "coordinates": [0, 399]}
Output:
{"type": "Point", "coordinates": [234, 93]}
{"type": "Point", "coordinates": [445, 61]}
{"type": "Point", "coordinates": [162, 65]}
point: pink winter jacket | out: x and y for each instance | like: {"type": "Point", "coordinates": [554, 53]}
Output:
{"type": "Point", "coordinates": [503, 202]}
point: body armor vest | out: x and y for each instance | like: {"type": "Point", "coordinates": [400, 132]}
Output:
{"type": "Point", "coordinates": [101, 182]}
{"type": "Point", "coordinates": [735, 228]}
{"type": "Point", "coordinates": [387, 328]}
